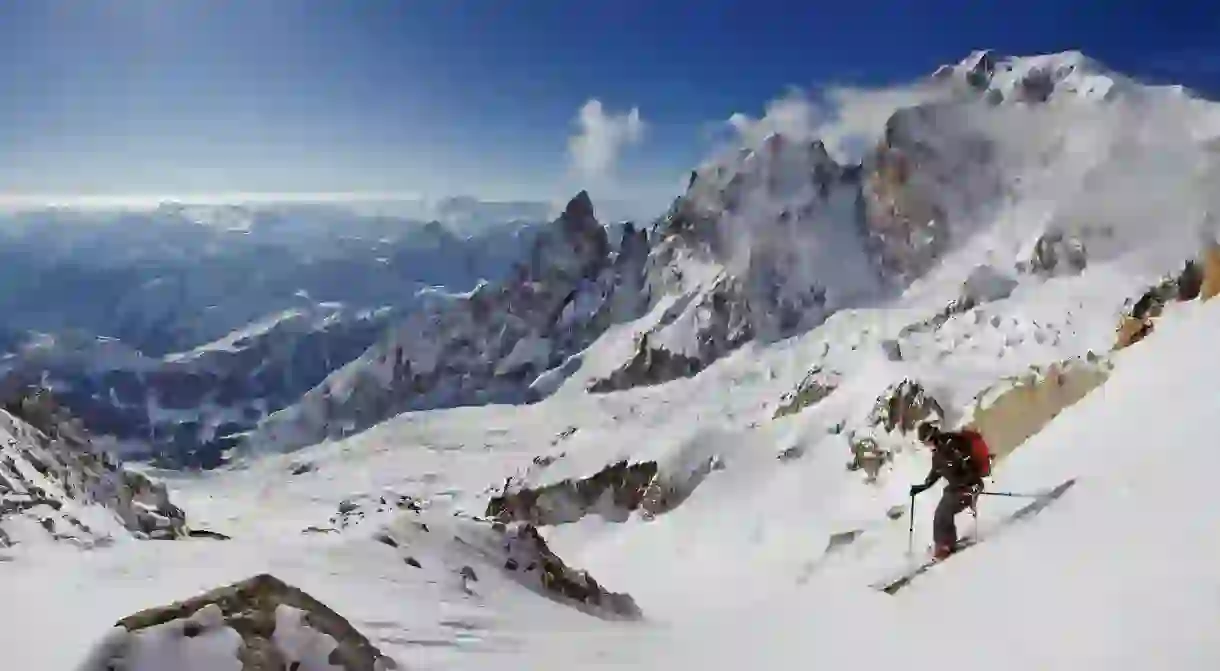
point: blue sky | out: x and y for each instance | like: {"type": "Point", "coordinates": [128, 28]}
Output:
{"type": "Point", "coordinates": [481, 96]}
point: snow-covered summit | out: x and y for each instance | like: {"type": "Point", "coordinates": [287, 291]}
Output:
{"type": "Point", "coordinates": [721, 424]}
{"type": "Point", "coordinates": [1035, 79]}
{"type": "Point", "coordinates": [773, 237]}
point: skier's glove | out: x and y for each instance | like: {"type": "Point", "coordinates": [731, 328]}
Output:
{"type": "Point", "coordinates": [916, 490]}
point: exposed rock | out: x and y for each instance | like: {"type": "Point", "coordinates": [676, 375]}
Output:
{"type": "Point", "coordinates": [1138, 318]}
{"type": "Point", "coordinates": [956, 306]}
{"type": "Point", "coordinates": [817, 385]}
{"type": "Point", "coordinates": [892, 349]}
{"type": "Point", "coordinates": [614, 492]}
{"type": "Point", "coordinates": [868, 456]}
{"type": "Point", "coordinates": [144, 506]}
{"type": "Point", "coordinates": [204, 533]}
{"type": "Point", "coordinates": [1130, 331]}
{"type": "Point", "coordinates": [928, 171]}
{"type": "Point", "coordinates": [1036, 86]}
{"type": "Point", "coordinates": [50, 465]}
{"type": "Point", "coordinates": [560, 582]}
{"type": "Point", "coordinates": [544, 460]}
{"type": "Point", "coordinates": [1010, 411]}
{"type": "Point", "coordinates": [302, 467]}
{"type": "Point", "coordinates": [1190, 281]}
{"type": "Point", "coordinates": [980, 68]}
{"type": "Point", "coordinates": [714, 324]}
{"type": "Point", "coordinates": [647, 367]}
{"type": "Point", "coordinates": [791, 453]}
{"type": "Point", "coordinates": [843, 538]}
{"type": "Point", "coordinates": [667, 491]}
{"type": "Point", "coordinates": [1056, 253]}
{"type": "Point", "coordinates": [986, 284]}
{"type": "Point", "coordinates": [1210, 286]}
{"type": "Point", "coordinates": [262, 623]}
{"type": "Point", "coordinates": [905, 405]}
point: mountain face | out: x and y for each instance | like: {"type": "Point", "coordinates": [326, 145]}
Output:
{"type": "Point", "coordinates": [767, 242]}
{"type": "Point", "coordinates": [491, 345]}
{"type": "Point", "coordinates": [174, 278]}
{"type": "Point", "coordinates": [185, 410]}
{"type": "Point", "coordinates": [729, 396]}
{"type": "Point", "coordinates": [316, 331]}
{"type": "Point", "coordinates": [175, 329]}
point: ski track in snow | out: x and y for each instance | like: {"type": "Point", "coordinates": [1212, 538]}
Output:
{"type": "Point", "coordinates": [1120, 573]}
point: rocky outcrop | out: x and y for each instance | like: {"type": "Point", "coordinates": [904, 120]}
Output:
{"type": "Point", "coordinates": [904, 406]}
{"type": "Point", "coordinates": [51, 473]}
{"type": "Point", "coordinates": [529, 555]}
{"type": "Point", "coordinates": [1011, 411]}
{"type": "Point", "coordinates": [1056, 253]}
{"type": "Point", "coordinates": [446, 542]}
{"type": "Point", "coordinates": [1139, 316]}
{"type": "Point", "coordinates": [927, 174]}
{"type": "Point", "coordinates": [1210, 282]}
{"type": "Point", "coordinates": [259, 624]}
{"type": "Point", "coordinates": [817, 384]}
{"type": "Point", "coordinates": [613, 493]}
{"type": "Point", "coordinates": [648, 366]}
{"type": "Point", "coordinates": [145, 508]}
{"type": "Point", "coordinates": [867, 455]}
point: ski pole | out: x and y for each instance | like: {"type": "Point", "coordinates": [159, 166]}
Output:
{"type": "Point", "coordinates": [1019, 496]}
{"type": "Point", "coordinates": [911, 530]}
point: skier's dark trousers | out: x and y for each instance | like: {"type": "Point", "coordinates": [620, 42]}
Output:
{"type": "Point", "coordinates": [951, 460]}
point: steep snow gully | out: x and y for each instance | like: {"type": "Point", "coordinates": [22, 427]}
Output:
{"type": "Point", "coordinates": [717, 467]}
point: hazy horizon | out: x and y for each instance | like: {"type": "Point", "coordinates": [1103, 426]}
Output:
{"type": "Point", "coordinates": [137, 100]}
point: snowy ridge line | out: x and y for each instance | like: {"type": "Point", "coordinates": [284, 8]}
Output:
{"type": "Point", "coordinates": [1014, 232]}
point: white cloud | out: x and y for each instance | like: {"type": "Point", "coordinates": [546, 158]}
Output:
{"type": "Point", "coordinates": [602, 138]}
{"type": "Point", "coordinates": [841, 117]}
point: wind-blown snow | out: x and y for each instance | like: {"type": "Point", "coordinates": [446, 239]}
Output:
{"type": "Point", "coordinates": [751, 571]}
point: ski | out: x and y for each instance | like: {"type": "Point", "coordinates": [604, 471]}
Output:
{"type": "Point", "coordinates": [1040, 501]}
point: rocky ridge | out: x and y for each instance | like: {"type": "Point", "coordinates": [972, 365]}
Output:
{"type": "Point", "coordinates": [498, 343]}
{"type": "Point", "coordinates": [55, 484]}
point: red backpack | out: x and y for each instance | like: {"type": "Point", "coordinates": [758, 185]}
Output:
{"type": "Point", "coordinates": [980, 454]}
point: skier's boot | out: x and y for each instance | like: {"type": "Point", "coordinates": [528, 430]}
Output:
{"type": "Point", "coordinates": [939, 552]}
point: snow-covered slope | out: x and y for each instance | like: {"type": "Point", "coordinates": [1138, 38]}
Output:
{"type": "Point", "coordinates": [1060, 591]}
{"type": "Point", "coordinates": [747, 503]}
{"type": "Point", "coordinates": [55, 485]}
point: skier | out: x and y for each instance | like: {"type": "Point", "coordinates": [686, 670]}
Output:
{"type": "Point", "coordinates": [954, 460]}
